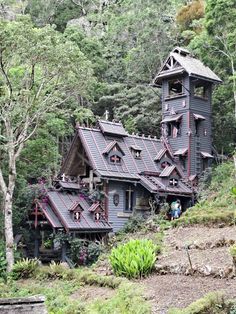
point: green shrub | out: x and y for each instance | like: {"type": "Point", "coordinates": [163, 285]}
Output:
{"type": "Point", "coordinates": [212, 303]}
{"type": "Point", "coordinates": [134, 223]}
{"type": "Point", "coordinates": [127, 300]}
{"type": "Point", "coordinates": [133, 259]}
{"type": "Point", "coordinates": [84, 252]}
{"type": "Point", "coordinates": [25, 268]}
{"type": "Point", "coordinates": [232, 251]}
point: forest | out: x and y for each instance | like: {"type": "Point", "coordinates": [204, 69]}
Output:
{"type": "Point", "coordinates": [64, 62]}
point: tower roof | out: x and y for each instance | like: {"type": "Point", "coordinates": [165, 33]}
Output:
{"type": "Point", "coordinates": [179, 61]}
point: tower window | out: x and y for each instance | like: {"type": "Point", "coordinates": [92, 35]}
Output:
{"type": "Point", "coordinates": [175, 88]}
{"type": "Point", "coordinates": [197, 127]}
{"type": "Point", "coordinates": [200, 90]}
{"type": "Point", "coordinates": [174, 129]}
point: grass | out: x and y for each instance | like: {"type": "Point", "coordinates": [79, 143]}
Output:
{"type": "Point", "coordinates": [217, 203]}
{"type": "Point", "coordinates": [58, 284]}
{"type": "Point", "coordinates": [212, 303]}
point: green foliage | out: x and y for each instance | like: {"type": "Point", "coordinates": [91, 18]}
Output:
{"type": "Point", "coordinates": [213, 303]}
{"type": "Point", "coordinates": [216, 203]}
{"type": "Point", "coordinates": [25, 268]}
{"type": "Point", "coordinates": [127, 300]}
{"type": "Point", "coordinates": [135, 223]}
{"type": "Point", "coordinates": [134, 259]}
{"type": "Point", "coordinates": [83, 252]}
{"type": "Point", "coordinates": [232, 251]}
{"type": "Point", "coordinates": [3, 262]}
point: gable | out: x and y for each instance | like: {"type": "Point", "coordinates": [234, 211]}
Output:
{"type": "Point", "coordinates": [179, 61]}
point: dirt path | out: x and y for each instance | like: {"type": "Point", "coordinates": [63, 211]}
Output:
{"type": "Point", "coordinates": [169, 291]}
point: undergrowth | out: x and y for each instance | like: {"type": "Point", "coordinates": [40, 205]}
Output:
{"type": "Point", "coordinates": [217, 202]}
{"type": "Point", "coordinates": [59, 284]}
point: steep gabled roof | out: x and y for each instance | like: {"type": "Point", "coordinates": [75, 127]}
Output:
{"type": "Point", "coordinates": [97, 144]}
{"type": "Point", "coordinates": [183, 61]}
{"type": "Point", "coordinates": [61, 202]}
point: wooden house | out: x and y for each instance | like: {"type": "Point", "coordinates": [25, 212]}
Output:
{"type": "Point", "coordinates": [108, 174]}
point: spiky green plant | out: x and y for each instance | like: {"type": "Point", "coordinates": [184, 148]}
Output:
{"type": "Point", "coordinates": [25, 268]}
{"type": "Point", "coordinates": [133, 259]}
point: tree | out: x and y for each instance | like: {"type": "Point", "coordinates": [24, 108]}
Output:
{"type": "Point", "coordinates": [39, 73]}
{"type": "Point", "coordinates": [220, 26]}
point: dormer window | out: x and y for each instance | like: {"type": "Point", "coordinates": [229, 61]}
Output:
{"type": "Point", "coordinates": [174, 182]}
{"type": "Point", "coordinates": [165, 164]}
{"type": "Point", "coordinates": [175, 87]}
{"type": "Point", "coordinates": [136, 151]}
{"type": "Point", "coordinates": [77, 216]}
{"type": "Point", "coordinates": [115, 159]}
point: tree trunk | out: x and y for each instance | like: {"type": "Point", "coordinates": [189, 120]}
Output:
{"type": "Point", "coordinates": [9, 231]}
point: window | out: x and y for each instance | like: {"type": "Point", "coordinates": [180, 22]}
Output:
{"type": "Point", "coordinates": [197, 127]}
{"type": "Point", "coordinates": [97, 216]}
{"type": "Point", "coordinates": [205, 164]}
{"type": "Point", "coordinates": [174, 182]}
{"type": "Point", "coordinates": [165, 164]}
{"type": "Point", "coordinates": [175, 88]}
{"type": "Point", "coordinates": [201, 90]}
{"type": "Point", "coordinates": [129, 199]}
{"type": "Point", "coordinates": [174, 129]}
{"type": "Point", "coordinates": [137, 154]}
{"type": "Point", "coordinates": [76, 216]}
{"type": "Point", "coordinates": [115, 159]}
{"type": "Point", "coordinates": [183, 162]}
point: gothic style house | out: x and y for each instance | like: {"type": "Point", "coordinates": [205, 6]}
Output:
{"type": "Point", "coordinates": [108, 174]}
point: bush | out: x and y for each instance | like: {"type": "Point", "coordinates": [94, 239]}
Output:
{"type": "Point", "coordinates": [25, 268]}
{"type": "Point", "coordinates": [134, 223]}
{"type": "Point", "coordinates": [84, 252]}
{"type": "Point", "coordinates": [133, 259]}
{"type": "Point", "coordinates": [127, 300]}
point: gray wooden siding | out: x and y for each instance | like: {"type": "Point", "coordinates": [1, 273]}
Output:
{"type": "Point", "coordinates": [115, 212]}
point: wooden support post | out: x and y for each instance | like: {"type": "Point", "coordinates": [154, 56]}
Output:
{"type": "Point", "coordinates": [90, 180]}
{"type": "Point", "coordinates": [63, 252]}
{"type": "Point", "coordinates": [36, 243]}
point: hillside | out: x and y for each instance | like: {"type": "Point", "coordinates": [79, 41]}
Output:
{"type": "Point", "coordinates": [193, 261]}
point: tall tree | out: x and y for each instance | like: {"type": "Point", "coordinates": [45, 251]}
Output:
{"type": "Point", "coordinates": [39, 72]}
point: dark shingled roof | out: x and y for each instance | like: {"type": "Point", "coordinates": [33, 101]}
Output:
{"type": "Point", "coordinates": [50, 215]}
{"type": "Point", "coordinates": [108, 127]}
{"type": "Point", "coordinates": [61, 202]}
{"type": "Point", "coordinates": [95, 143]}
{"type": "Point", "coordinates": [187, 63]}
{"type": "Point", "coordinates": [69, 185]}
{"type": "Point", "coordinates": [154, 184]}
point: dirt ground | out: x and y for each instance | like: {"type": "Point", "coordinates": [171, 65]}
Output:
{"type": "Point", "coordinates": [208, 246]}
{"type": "Point", "coordinates": [179, 291]}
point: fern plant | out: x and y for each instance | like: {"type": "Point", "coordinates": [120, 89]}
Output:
{"type": "Point", "coordinates": [134, 259]}
{"type": "Point", "coordinates": [25, 268]}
